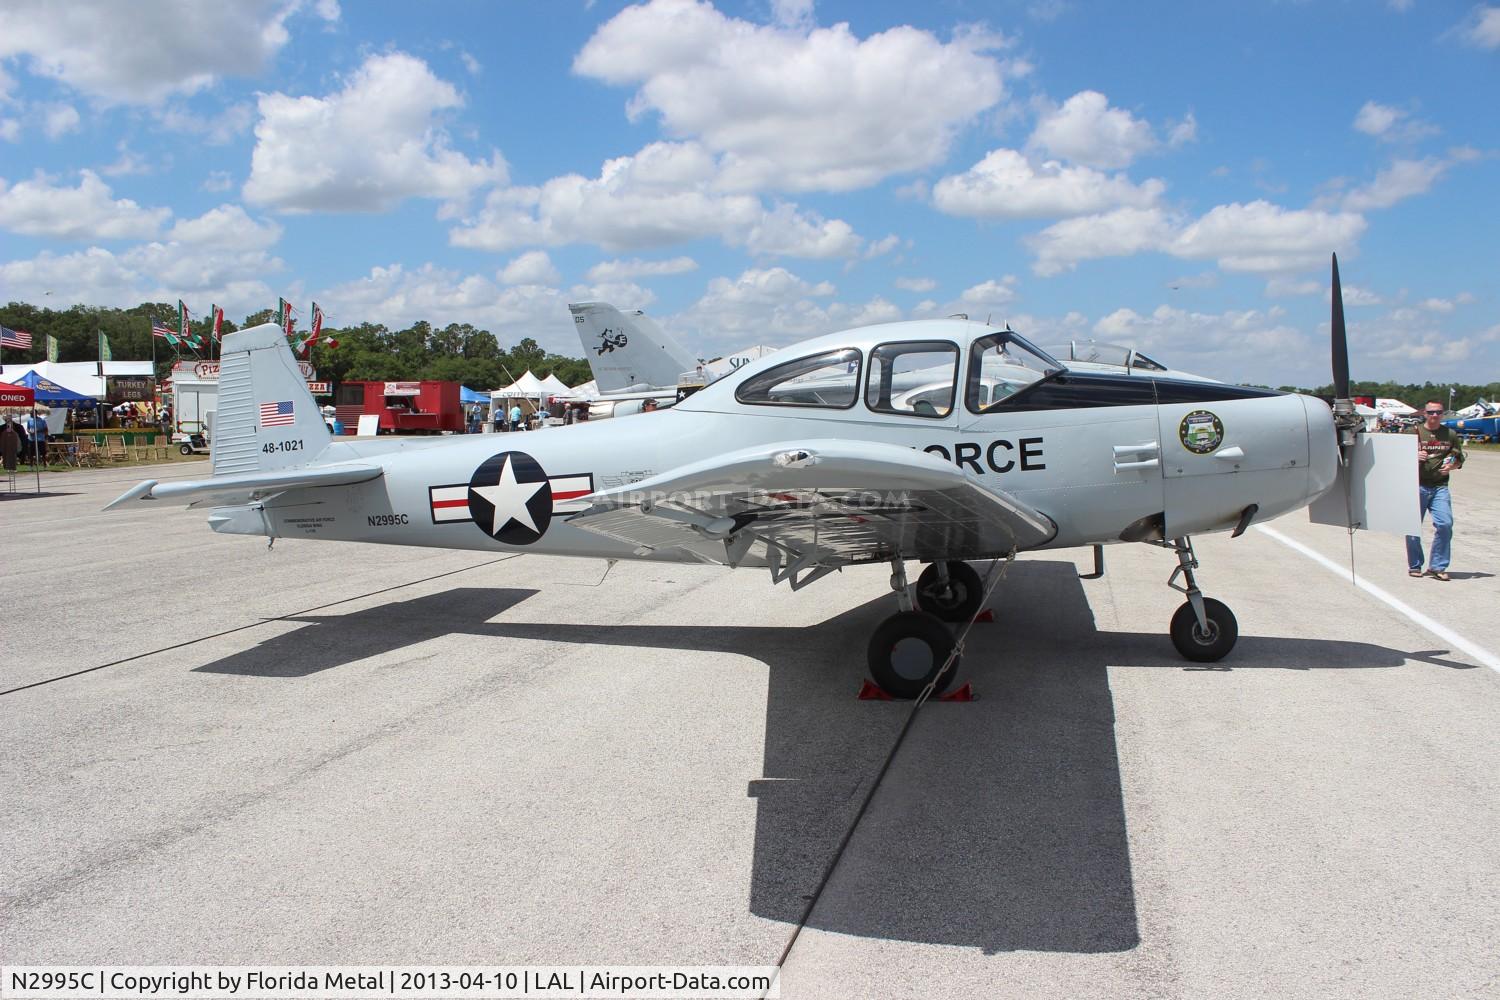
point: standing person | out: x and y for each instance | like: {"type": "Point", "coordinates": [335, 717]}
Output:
{"type": "Point", "coordinates": [515, 417]}
{"type": "Point", "coordinates": [36, 426]}
{"type": "Point", "coordinates": [10, 445]}
{"type": "Point", "coordinates": [1439, 451]}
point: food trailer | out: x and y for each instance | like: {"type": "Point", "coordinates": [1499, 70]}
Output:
{"type": "Point", "coordinates": [425, 407]}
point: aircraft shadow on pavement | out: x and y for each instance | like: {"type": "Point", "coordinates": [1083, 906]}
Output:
{"type": "Point", "coordinates": [1000, 824]}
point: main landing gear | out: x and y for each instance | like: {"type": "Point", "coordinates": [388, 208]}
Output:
{"type": "Point", "coordinates": [914, 646]}
{"type": "Point", "coordinates": [1203, 629]}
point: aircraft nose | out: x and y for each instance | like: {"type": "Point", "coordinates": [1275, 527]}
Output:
{"type": "Point", "coordinates": [1322, 446]}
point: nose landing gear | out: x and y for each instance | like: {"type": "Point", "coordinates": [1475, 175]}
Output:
{"type": "Point", "coordinates": [1203, 630]}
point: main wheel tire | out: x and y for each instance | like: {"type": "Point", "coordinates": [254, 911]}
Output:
{"type": "Point", "coordinates": [959, 600]}
{"type": "Point", "coordinates": [907, 651]}
{"type": "Point", "coordinates": [185, 449]}
{"type": "Point", "coordinates": [1193, 643]}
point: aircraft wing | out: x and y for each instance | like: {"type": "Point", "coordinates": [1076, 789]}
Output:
{"type": "Point", "coordinates": [245, 486]}
{"type": "Point", "coordinates": [808, 507]}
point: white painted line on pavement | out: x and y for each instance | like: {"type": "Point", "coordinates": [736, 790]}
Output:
{"type": "Point", "coordinates": [1477, 653]}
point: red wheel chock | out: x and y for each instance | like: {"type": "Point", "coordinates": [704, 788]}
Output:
{"type": "Point", "coordinates": [962, 693]}
{"type": "Point", "coordinates": [870, 691]}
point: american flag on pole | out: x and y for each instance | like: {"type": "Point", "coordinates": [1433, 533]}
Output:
{"type": "Point", "coordinates": [19, 339]}
{"type": "Point", "coordinates": [277, 414]}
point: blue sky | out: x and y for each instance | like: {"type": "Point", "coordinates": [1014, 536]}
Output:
{"type": "Point", "coordinates": [1168, 176]}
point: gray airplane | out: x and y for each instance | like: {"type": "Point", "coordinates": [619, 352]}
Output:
{"type": "Point", "coordinates": [813, 459]}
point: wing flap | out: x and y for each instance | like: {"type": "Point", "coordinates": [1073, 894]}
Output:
{"type": "Point", "coordinates": [242, 486]}
{"type": "Point", "coordinates": [817, 503]}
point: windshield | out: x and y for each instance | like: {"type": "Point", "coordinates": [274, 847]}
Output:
{"type": "Point", "coordinates": [1001, 365]}
{"type": "Point", "coordinates": [1094, 352]}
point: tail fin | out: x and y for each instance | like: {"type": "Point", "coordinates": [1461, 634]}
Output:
{"type": "Point", "coordinates": [628, 351]}
{"type": "Point", "coordinates": [267, 418]}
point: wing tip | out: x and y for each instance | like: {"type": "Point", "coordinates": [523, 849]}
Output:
{"type": "Point", "coordinates": [140, 491]}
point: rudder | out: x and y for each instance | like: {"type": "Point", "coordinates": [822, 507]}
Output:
{"type": "Point", "coordinates": [267, 419]}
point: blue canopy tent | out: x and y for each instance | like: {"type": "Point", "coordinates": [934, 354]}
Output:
{"type": "Point", "coordinates": [469, 397]}
{"type": "Point", "coordinates": [49, 392]}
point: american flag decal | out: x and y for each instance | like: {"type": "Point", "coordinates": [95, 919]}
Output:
{"type": "Point", "coordinates": [277, 414]}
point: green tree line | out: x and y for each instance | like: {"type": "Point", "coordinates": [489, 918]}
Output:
{"type": "Point", "coordinates": [1411, 393]}
{"type": "Point", "coordinates": [458, 352]}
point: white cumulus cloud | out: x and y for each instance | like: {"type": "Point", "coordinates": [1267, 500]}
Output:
{"type": "Point", "coordinates": [1482, 28]}
{"type": "Point", "coordinates": [792, 106]}
{"type": "Point", "coordinates": [141, 53]}
{"type": "Point", "coordinates": [365, 148]}
{"type": "Point", "coordinates": [1256, 237]}
{"type": "Point", "coordinates": [37, 207]}
{"type": "Point", "coordinates": [59, 119]}
{"type": "Point", "coordinates": [1401, 180]}
{"type": "Point", "coordinates": [533, 267]}
{"type": "Point", "coordinates": [635, 267]}
{"type": "Point", "coordinates": [1086, 130]}
{"type": "Point", "coordinates": [1391, 124]}
{"type": "Point", "coordinates": [1007, 185]}
{"type": "Point", "coordinates": [663, 195]}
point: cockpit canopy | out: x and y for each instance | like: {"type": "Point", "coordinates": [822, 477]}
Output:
{"type": "Point", "coordinates": [908, 377]}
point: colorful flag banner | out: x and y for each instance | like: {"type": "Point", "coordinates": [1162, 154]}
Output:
{"type": "Point", "coordinates": [286, 315]}
{"type": "Point", "coordinates": [218, 318]}
{"type": "Point", "coordinates": [51, 347]}
{"type": "Point", "coordinates": [19, 339]}
{"type": "Point", "coordinates": [104, 352]}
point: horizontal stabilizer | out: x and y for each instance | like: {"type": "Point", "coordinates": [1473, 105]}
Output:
{"type": "Point", "coordinates": [249, 484]}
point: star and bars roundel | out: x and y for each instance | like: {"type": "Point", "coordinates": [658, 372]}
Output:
{"type": "Point", "coordinates": [511, 498]}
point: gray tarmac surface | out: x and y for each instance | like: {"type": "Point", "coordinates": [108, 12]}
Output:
{"type": "Point", "coordinates": [350, 754]}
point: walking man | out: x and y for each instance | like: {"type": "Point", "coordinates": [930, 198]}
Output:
{"type": "Point", "coordinates": [1439, 451]}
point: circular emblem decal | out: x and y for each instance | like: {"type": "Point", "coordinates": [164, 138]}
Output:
{"type": "Point", "coordinates": [510, 498]}
{"type": "Point", "coordinates": [1201, 432]}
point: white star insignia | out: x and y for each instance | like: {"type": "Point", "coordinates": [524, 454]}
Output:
{"type": "Point", "coordinates": [510, 499]}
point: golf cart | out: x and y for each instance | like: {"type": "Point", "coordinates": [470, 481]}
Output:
{"type": "Point", "coordinates": [190, 444]}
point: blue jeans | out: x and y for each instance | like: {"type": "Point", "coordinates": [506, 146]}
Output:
{"type": "Point", "coordinates": [1437, 500]}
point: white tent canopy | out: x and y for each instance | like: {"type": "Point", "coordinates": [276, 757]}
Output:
{"type": "Point", "coordinates": [527, 385]}
{"type": "Point", "coordinates": [553, 386]}
{"type": "Point", "coordinates": [1393, 406]}
{"type": "Point", "coordinates": [81, 377]}
{"type": "Point", "coordinates": [585, 393]}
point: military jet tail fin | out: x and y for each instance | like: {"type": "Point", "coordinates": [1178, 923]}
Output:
{"type": "Point", "coordinates": [628, 350]}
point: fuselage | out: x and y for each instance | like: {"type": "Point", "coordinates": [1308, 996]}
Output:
{"type": "Point", "coordinates": [1107, 457]}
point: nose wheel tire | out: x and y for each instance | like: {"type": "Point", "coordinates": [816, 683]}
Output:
{"type": "Point", "coordinates": [907, 651]}
{"type": "Point", "coordinates": [955, 601]}
{"type": "Point", "coordinates": [1205, 646]}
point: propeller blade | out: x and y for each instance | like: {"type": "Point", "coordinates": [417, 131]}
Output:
{"type": "Point", "coordinates": [1340, 338]}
